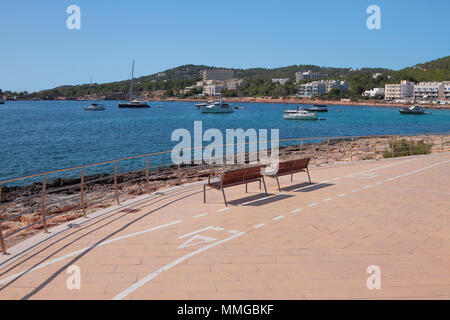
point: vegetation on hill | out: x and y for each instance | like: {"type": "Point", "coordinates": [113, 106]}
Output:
{"type": "Point", "coordinates": [257, 81]}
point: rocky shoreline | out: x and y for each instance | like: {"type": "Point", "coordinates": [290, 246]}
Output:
{"type": "Point", "coordinates": [63, 195]}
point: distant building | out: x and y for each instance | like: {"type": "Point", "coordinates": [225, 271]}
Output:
{"type": "Point", "coordinates": [404, 90]}
{"type": "Point", "coordinates": [376, 75]}
{"type": "Point", "coordinates": [217, 74]}
{"type": "Point", "coordinates": [213, 90]}
{"type": "Point", "coordinates": [374, 92]}
{"type": "Point", "coordinates": [318, 88]}
{"type": "Point", "coordinates": [280, 81]}
{"type": "Point", "coordinates": [429, 90]}
{"type": "Point", "coordinates": [309, 75]}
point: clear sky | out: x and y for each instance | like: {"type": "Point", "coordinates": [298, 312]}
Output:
{"type": "Point", "coordinates": [37, 51]}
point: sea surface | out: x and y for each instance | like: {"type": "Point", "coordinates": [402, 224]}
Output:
{"type": "Point", "coordinates": [39, 136]}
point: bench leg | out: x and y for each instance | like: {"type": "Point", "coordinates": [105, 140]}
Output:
{"type": "Point", "coordinates": [264, 182]}
{"type": "Point", "coordinates": [307, 171]}
{"type": "Point", "coordinates": [292, 177]}
{"type": "Point", "coordinates": [224, 198]}
{"type": "Point", "coordinates": [204, 194]}
{"type": "Point", "coordinates": [278, 182]}
{"type": "Point", "coordinates": [260, 183]}
{"type": "Point", "coordinates": [246, 189]}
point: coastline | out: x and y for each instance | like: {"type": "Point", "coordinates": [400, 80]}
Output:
{"type": "Point", "coordinates": [63, 194]}
{"type": "Point", "coordinates": [368, 103]}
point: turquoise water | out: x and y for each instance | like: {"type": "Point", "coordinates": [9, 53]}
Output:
{"type": "Point", "coordinates": [39, 136]}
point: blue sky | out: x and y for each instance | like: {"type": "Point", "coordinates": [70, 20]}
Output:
{"type": "Point", "coordinates": [37, 51]}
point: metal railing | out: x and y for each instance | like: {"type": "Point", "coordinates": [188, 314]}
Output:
{"type": "Point", "coordinates": [437, 142]}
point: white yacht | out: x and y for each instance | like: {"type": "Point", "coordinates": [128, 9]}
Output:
{"type": "Point", "coordinates": [299, 114]}
{"type": "Point", "coordinates": [217, 107]}
{"type": "Point", "coordinates": [204, 104]}
{"type": "Point", "coordinates": [95, 107]}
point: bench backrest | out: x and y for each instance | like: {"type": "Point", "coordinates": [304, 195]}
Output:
{"type": "Point", "coordinates": [237, 176]}
{"type": "Point", "coordinates": [285, 166]}
{"type": "Point", "coordinates": [301, 164]}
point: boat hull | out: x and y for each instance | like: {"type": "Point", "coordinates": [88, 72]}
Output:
{"type": "Point", "coordinates": [299, 117]}
{"type": "Point", "coordinates": [134, 105]}
{"type": "Point", "coordinates": [94, 109]}
{"type": "Point", "coordinates": [216, 111]}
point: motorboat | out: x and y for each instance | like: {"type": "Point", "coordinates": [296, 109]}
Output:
{"type": "Point", "coordinates": [217, 107]}
{"type": "Point", "coordinates": [317, 108]}
{"type": "Point", "coordinates": [413, 110]}
{"type": "Point", "coordinates": [204, 104]}
{"type": "Point", "coordinates": [95, 107]}
{"type": "Point", "coordinates": [299, 114]}
{"type": "Point", "coordinates": [133, 103]}
{"type": "Point", "coordinates": [239, 108]}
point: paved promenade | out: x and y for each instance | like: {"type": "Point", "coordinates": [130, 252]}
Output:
{"type": "Point", "coordinates": [307, 242]}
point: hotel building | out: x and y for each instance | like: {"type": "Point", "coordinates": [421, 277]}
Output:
{"type": "Point", "coordinates": [318, 88]}
{"type": "Point", "coordinates": [309, 75]}
{"type": "Point", "coordinates": [404, 90]}
{"type": "Point", "coordinates": [217, 74]}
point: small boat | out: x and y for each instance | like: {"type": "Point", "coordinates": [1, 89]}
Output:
{"type": "Point", "coordinates": [217, 107]}
{"type": "Point", "coordinates": [95, 107]}
{"type": "Point", "coordinates": [317, 108]}
{"type": "Point", "coordinates": [239, 108]}
{"type": "Point", "coordinates": [299, 114]}
{"type": "Point", "coordinates": [133, 103]}
{"type": "Point", "coordinates": [2, 102]}
{"type": "Point", "coordinates": [204, 104]}
{"type": "Point", "coordinates": [413, 110]}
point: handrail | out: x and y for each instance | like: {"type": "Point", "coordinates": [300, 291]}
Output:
{"type": "Point", "coordinates": [203, 147]}
{"type": "Point", "coordinates": [47, 203]}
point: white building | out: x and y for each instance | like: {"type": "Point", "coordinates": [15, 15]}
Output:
{"type": "Point", "coordinates": [404, 90]}
{"type": "Point", "coordinates": [318, 88]}
{"type": "Point", "coordinates": [374, 92]}
{"type": "Point", "coordinates": [429, 90]}
{"type": "Point", "coordinates": [217, 74]}
{"type": "Point", "coordinates": [213, 90]}
{"type": "Point", "coordinates": [280, 81]}
{"type": "Point", "coordinates": [309, 75]}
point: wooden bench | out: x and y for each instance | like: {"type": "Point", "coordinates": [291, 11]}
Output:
{"type": "Point", "coordinates": [290, 167]}
{"type": "Point", "coordinates": [236, 177]}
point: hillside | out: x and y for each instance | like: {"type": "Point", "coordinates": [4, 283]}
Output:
{"type": "Point", "coordinates": [257, 80]}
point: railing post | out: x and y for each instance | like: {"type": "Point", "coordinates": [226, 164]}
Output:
{"type": "Point", "coordinates": [328, 151]}
{"type": "Point", "coordinates": [83, 205]}
{"type": "Point", "coordinates": [115, 183]}
{"type": "Point", "coordinates": [147, 169]}
{"type": "Point", "coordinates": [301, 145]}
{"type": "Point", "coordinates": [43, 208]}
{"type": "Point", "coordinates": [2, 242]}
{"type": "Point", "coordinates": [392, 146]}
{"type": "Point", "coordinates": [351, 150]}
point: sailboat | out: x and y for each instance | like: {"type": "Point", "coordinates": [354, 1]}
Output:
{"type": "Point", "coordinates": [95, 106]}
{"type": "Point", "coordinates": [133, 103]}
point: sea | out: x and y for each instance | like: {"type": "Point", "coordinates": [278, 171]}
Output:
{"type": "Point", "coordinates": [41, 136]}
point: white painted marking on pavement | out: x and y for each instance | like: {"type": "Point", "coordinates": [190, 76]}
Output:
{"type": "Point", "coordinates": [48, 263]}
{"type": "Point", "coordinates": [417, 171]}
{"type": "Point", "coordinates": [296, 210]}
{"type": "Point", "coordinates": [313, 204]}
{"type": "Point", "coordinates": [342, 195]}
{"type": "Point", "coordinates": [200, 215]}
{"type": "Point", "coordinates": [195, 232]}
{"type": "Point", "coordinates": [223, 209]}
{"type": "Point", "coordinates": [327, 199]}
{"type": "Point", "coordinates": [278, 218]}
{"type": "Point", "coordinates": [259, 225]}
{"type": "Point", "coordinates": [153, 275]}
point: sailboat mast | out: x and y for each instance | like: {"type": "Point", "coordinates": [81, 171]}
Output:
{"type": "Point", "coordinates": [131, 87]}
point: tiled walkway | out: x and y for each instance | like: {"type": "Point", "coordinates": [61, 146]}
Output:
{"type": "Point", "coordinates": [308, 242]}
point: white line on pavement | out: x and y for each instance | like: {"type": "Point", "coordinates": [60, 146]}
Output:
{"type": "Point", "coordinates": [278, 218]}
{"type": "Point", "coordinates": [417, 171]}
{"type": "Point", "coordinates": [313, 204]}
{"type": "Point", "coordinates": [296, 210]}
{"type": "Point", "coordinates": [259, 225]}
{"type": "Point", "coordinates": [195, 232]}
{"type": "Point", "coordinates": [48, 263]}
{"type": "Point", "coordinates": [327, 199]}
{"type": "Point", "coordinates": [223, 209]}
{"type": "Point", "coordinates": [153, 275]}
{"type": "Point", "coordinates": [200, 215]}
